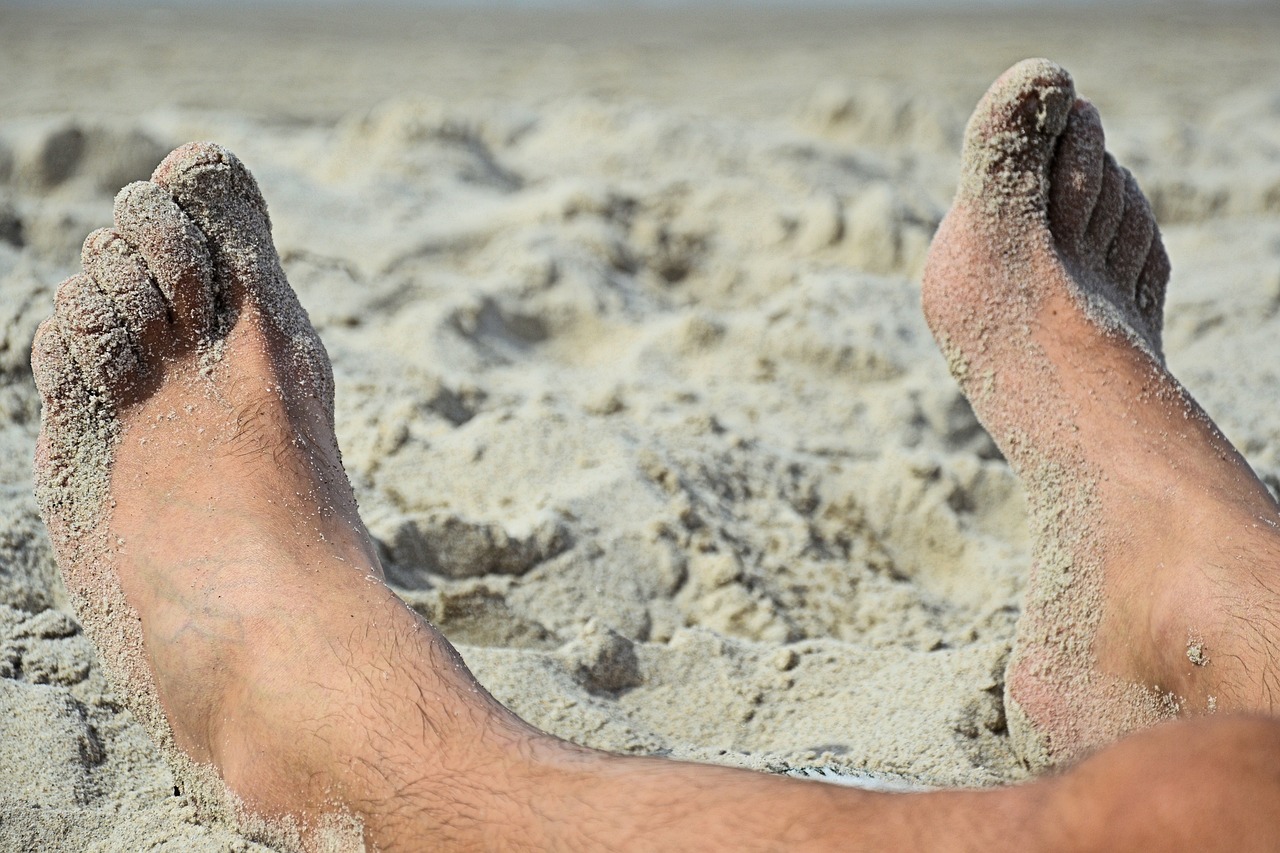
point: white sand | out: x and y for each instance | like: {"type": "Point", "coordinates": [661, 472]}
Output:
{"type": "Point", "coordinates": [632, 380]}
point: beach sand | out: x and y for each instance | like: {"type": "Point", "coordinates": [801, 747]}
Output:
{"type": "Point", "coordinates": [632, 380]}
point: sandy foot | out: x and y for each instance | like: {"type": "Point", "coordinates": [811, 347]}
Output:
{"type": "Point", "coordinates": [188, 472]}
{"type": "Point", "coordinates": [1045, 288]}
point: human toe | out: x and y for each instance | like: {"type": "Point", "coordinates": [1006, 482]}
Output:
{"type": "Point", "coordinates": [1108, 211]}
{"type": "Point", "coordinates": [1012, 134]}
{"type": "Point", "coordinates": [1127, 254]}
{"type": "Point", "coordinates": [174, 251]}
{"type": "Point", "coordinates": [51, 365]}
{"type": "Point", "coordinates": [95, 336]}
{"type": "Point", "coordinates": [221, 197]}
{"type": "Point", "coordinates": [1153, 281]}
{"type": "Point", "coordinates": [1077, 173]}
{"type": "Point", "coordinates": [122, 275]}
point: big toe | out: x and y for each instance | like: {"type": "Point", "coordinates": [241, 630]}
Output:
{"type": "Point", "coordinates": [1011, 137]}
{"type": "Point", "coordinates": [221, 197]}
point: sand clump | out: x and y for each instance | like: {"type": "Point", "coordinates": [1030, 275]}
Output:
{"type": "Point", "coordinates": [635, 394]}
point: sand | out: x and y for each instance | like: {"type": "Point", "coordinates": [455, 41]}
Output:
{"type": "Point", "coordinates": [631, 376]}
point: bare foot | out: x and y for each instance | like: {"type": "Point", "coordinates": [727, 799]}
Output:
{"type": "Point", "coordinates": [1156, 546]}
{"type": "Point", "coordinates": [188, 472]}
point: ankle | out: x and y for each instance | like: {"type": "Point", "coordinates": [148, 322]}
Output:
{"type": "Point", "coordinates": [1211, 614]}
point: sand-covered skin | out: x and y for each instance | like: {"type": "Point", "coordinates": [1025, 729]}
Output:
{"type": "Point", "coordinates": [1045, 289]}
{"type": "Point", "coordinates": [630, 373]}
{"type": "Point", "coordinates": [1046, 279]}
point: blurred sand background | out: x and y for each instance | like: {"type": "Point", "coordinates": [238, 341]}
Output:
{"type": "Point", "coordinates": [632, 379]}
